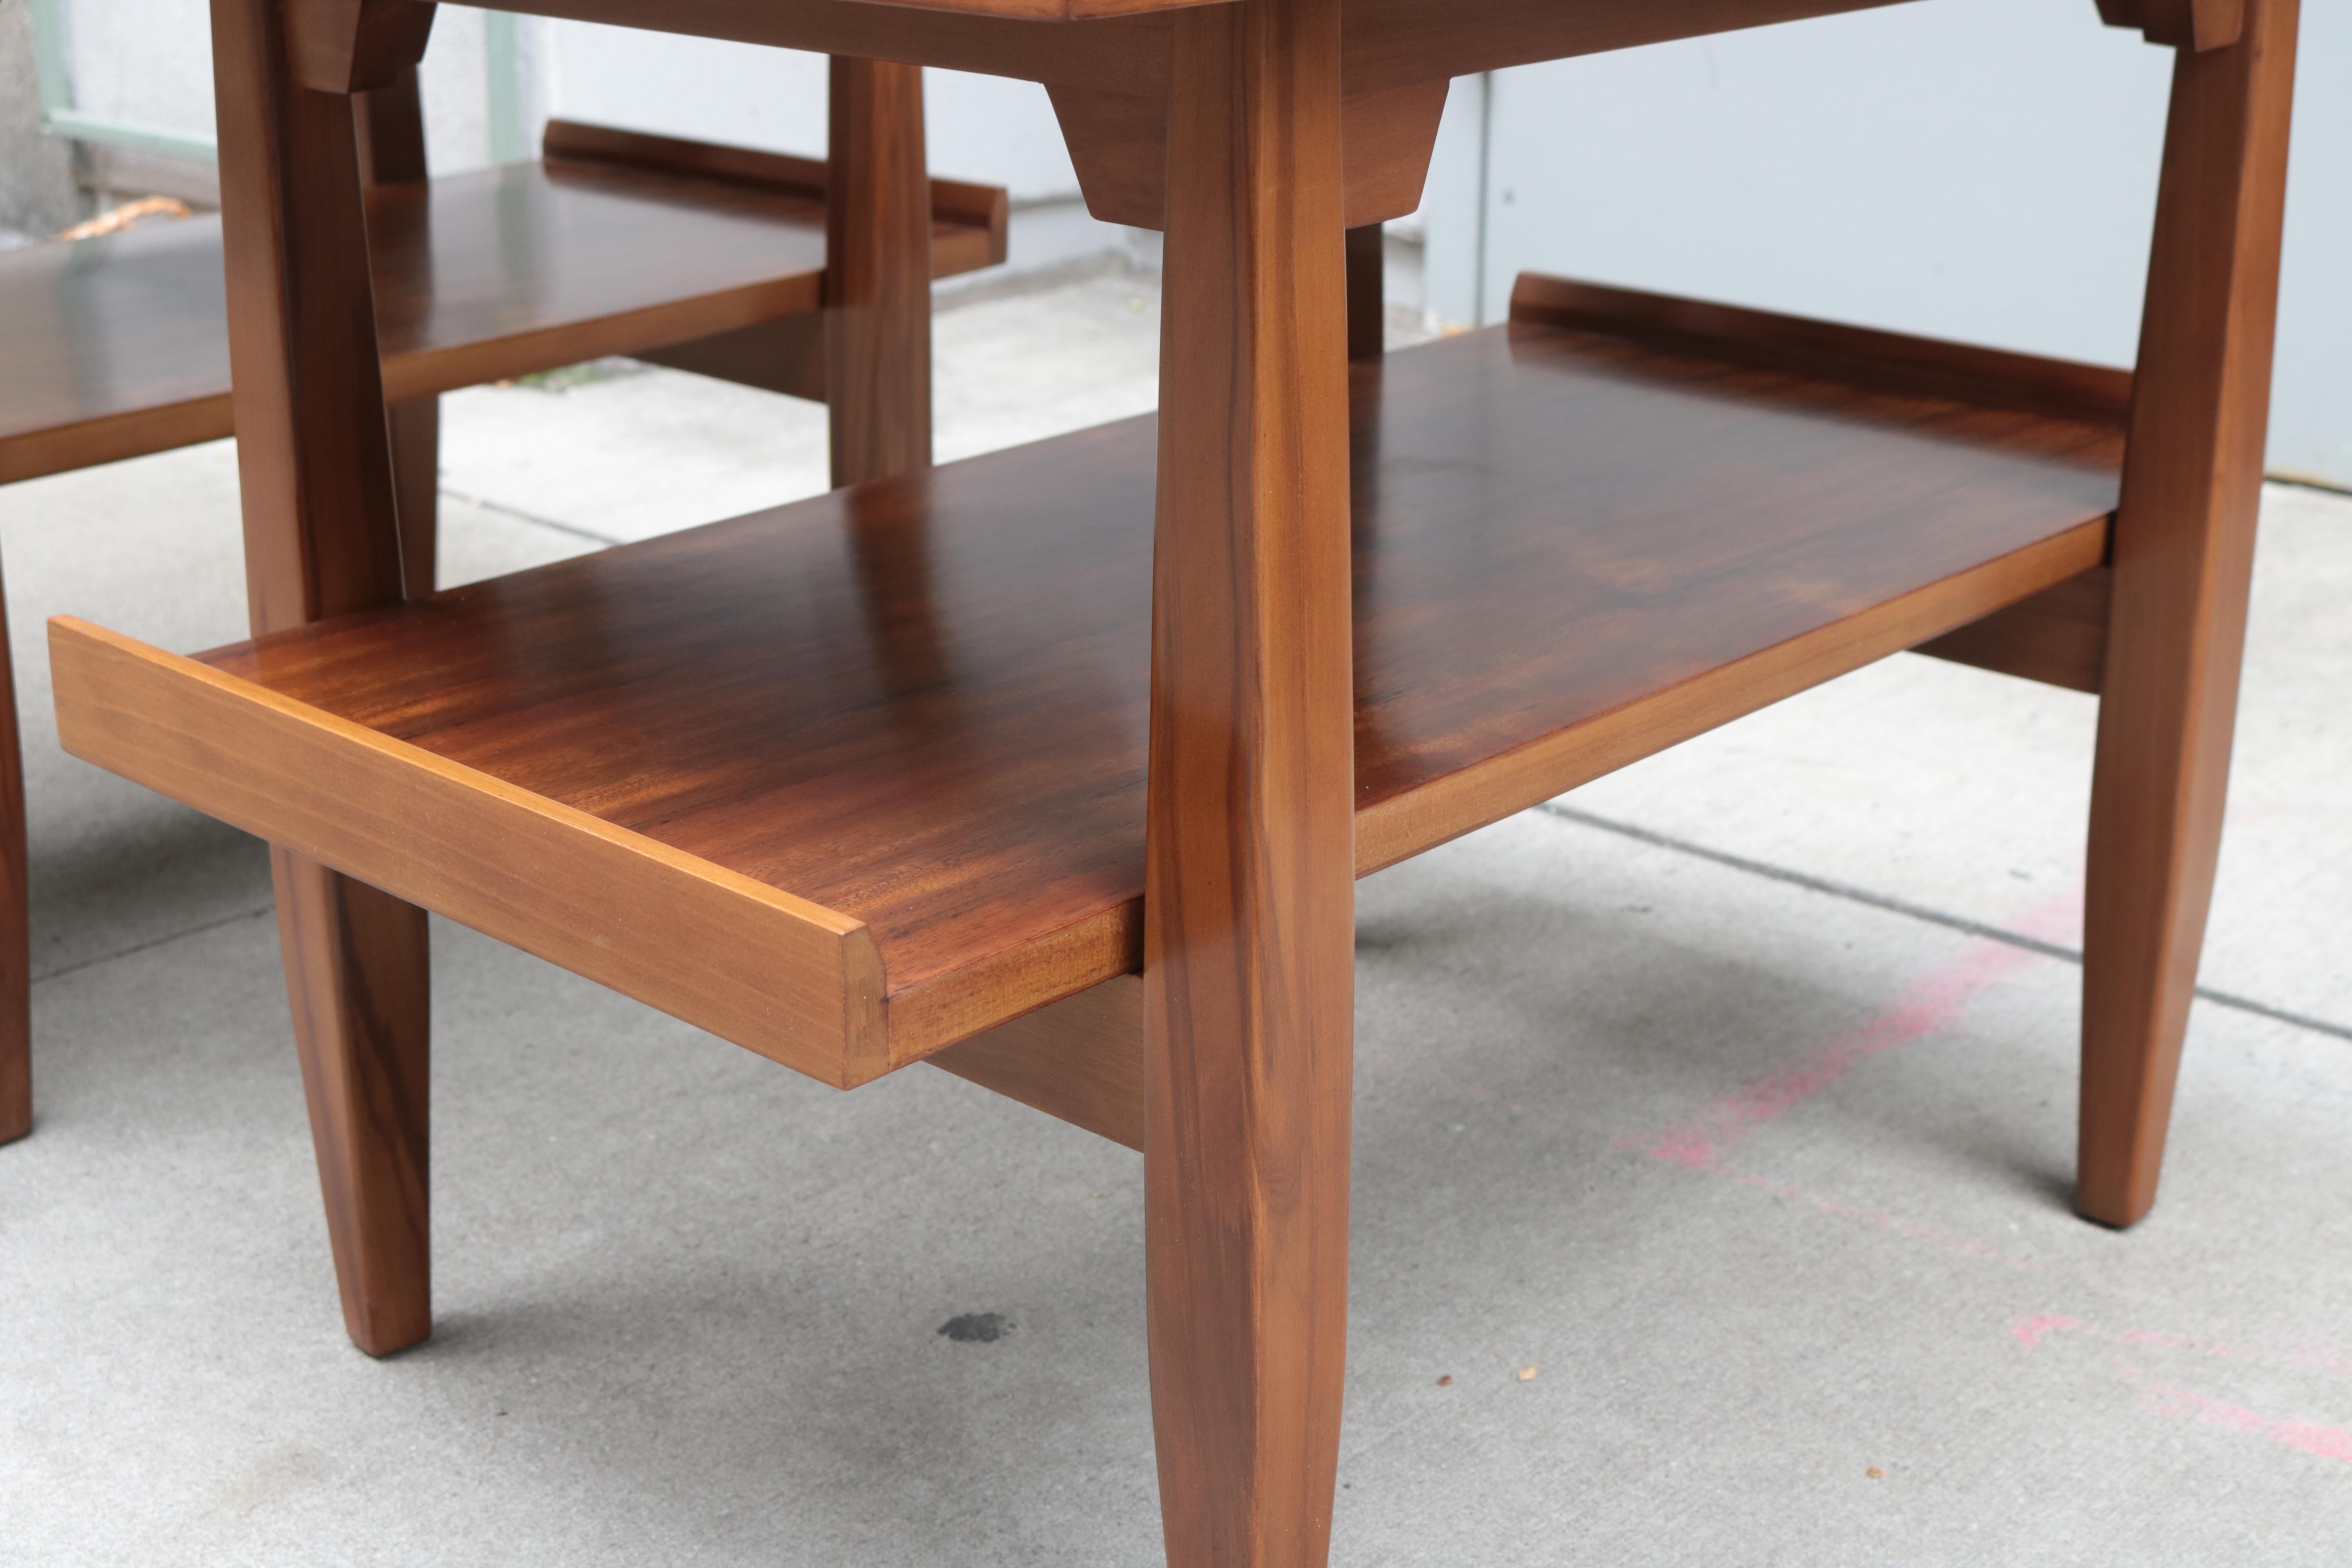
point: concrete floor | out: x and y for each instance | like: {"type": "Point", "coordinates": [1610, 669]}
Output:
{"type": "Point", "coordinates": [1722, 1094]}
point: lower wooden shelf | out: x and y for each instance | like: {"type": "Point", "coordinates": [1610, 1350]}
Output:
{"type": "Point", "coordinates": [617, 244]}
{"type": "Point", "coordinates": [853, 780]}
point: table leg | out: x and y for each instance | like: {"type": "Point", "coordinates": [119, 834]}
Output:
{"type": "Point", "coordinates": [390, 124]}
{"type": "Point", "coordinates": [877, 266]}
{"type": "Point", "coordinates": [322, 539]}
{"type": "Point", "coordinates": [416, 427]}
{"type": "Point", "coordinates": [2183, 560]}
{"type": "Point", "coordinates": [1249, 879]}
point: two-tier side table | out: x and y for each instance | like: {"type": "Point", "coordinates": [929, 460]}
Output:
{"type": "Point", "coordinates": [1055, 767]}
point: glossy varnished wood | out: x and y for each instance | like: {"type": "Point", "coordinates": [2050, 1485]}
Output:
{"type": "Point", "coordinates": [118, 346]}
{"type": "Point", "coordinates": [1859, 356]}
{"type": "Point", "coordinates": [1249, 885]}
{"type": "Point", "coordinates": [1571, 552]}
{"type": "Point", "coordinates": [2059, 637]}
{"type": "Point", "coordinates": [878, 296]}
{"type": "Point", "coordinates": [322, 539]}
{"type": "Point", "coordinates": [1117, 137]}
{"type": "Point", "coordinates": [1080, 1059]}
{"type": "Point", "coordinates": [2183, 565]}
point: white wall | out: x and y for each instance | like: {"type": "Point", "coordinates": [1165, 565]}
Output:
{"type": "Point", "coordinates": [979, 128]}
{"type": "Point", "coordinates": [1975, 169]}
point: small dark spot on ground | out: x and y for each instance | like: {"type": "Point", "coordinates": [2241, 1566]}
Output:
{"type": "Point", "coordinates": [976, 1328]}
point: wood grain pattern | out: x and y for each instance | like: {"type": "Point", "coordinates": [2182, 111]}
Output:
{"type": "Point", "coordinates": [118, 346]}
{"type": "Point", "coordinates": [322, 539]}
{"type": "Point", "coordinates": [344, 46]}
{"type": "Point", "coordinates": [2183, 562]}
{"type": "Point", "coordinates": [1117, 138]}
{"type": "Point", "coordinates": [775, 974]}
{"type": "Point", "coordinates": [951, 749]}
{"type": "Point", "coordinates": [1249, 866]}
{"type": "Point", "coordinates": [389, 122]}
{"type": "Point", "coordinates": [1080, 1059]}
{"type": "Point", "coordinates": [877, 284]}
{"type": "Point", "coordinates": [784, 355]}
{"type": "Point", "coordinates": [2059, 637]}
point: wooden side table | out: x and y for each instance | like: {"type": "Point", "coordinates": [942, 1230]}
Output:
{"type": "Point", "coordinates": [705, 257]}
{"type": "Point", "coordinates": [897, 774]}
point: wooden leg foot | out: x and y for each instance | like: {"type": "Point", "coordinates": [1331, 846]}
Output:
{"type": "Point", "coordinates": [357, 980]}
{"type": "Point", "coordinates": [2184, 546]}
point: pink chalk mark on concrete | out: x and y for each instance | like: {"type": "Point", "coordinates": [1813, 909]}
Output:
{"type": "Point", "coordinates": [2030, 1331]}
{"type": "Point", "coordinates": [1928, 1005]}
{"type": "Point", "coordinates": [2290, 1353]}
{"type": "Point", "coordinates": [2184, 1404]}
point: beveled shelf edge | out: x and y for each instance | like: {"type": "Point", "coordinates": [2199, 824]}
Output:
{"type": "Point", "coordinates": [1410, 822]}
{"type": "Point", "coordinates": [266, 763]}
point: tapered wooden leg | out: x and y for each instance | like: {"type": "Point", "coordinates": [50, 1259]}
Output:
{"type": "Point", "coordinates": [16, 952]}
{"type": "Point", "coordinates": [389, 123]}
{"type": "Point", "coordinates": [356, 978]}
{"type": "Point", "coordinates": [1249, 866]}
{"type": "Point", "coordinates": [2183, 560]}
{"type": "Point", "coordinates": [415, 428]}
{"type": "Point", "coordinates": [321, 538]}
{"type": "Point", "coordinates": [878, 374]}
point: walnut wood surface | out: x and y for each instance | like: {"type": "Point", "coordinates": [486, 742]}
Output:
{"type": "Point", "coordinates": [118, 346]}
{"type": "Point", "coordinates": [349, 45]}
{"type": "Point", "coordinates": [1080, 1059]}
{"type": "Point", "coordinates": [1117, 138]}
{"type": "Point", "coordinates": [2183, 562]}
{"type": "Point", "coordinates": [388, 123]}
{"type": "Point", "coordinates": [953, 753]}
{"type": "Point", "coordinates": [1249, 864]}
{"type": "Point", "coordinates": [1888, 362]}
{"type": "Point", "coordinates": [877, 285]}
{"type": "Point", "coordinates": [2058, 637]}
{"type": "Point", "coordinates": [322, 539]}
